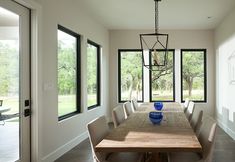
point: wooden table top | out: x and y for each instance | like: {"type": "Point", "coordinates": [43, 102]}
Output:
{"type": "Point", "coordinates": [171, 107]}
{"type": "Point", "coordinates": [138, 134]}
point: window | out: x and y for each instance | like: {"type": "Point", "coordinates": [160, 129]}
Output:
{"type": "Point", "coordinates": [130, 72]}
{"type": "Point", "coordinates": [193, 74]}
{"type": "Point", "coordinates": [68, 68]}
{"type": "Point", "coordinates": [162, 81]}
{"type": "Point", "coordinates": [93, 74]}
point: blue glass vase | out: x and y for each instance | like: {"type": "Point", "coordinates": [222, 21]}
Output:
{"type": "Point", "coordinates": [155, 117]}
{"type": "Point", "coordinates": [158, 105]}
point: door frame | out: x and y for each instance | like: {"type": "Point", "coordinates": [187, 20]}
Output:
{"type": "Point", "coordinates": [36, 76]}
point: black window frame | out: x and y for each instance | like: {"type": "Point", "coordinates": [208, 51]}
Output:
{"type": "Point", "coordinates": [78, 72]}
{"type": "Point", "coordinates": [205, 73]}
{"type": "Point", "coordinates": [119, 75]}
{"type": "Point", "coordinates": [150, 79]}
{"type": "Point", "coordinates": [98, 74]}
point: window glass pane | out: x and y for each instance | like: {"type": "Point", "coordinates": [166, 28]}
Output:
{"type": "Point", "coordinates": [67, 51]}
{"type": "Point", "coordinates": [162, 80]}
{"type": "Point", "coordinates": [92, 75]}
{"type": "Point", "coordinates": [193, 75]}
{"type": "Point", "coordinates": [130, 75]}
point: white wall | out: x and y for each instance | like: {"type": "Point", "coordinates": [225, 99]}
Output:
{"type": "Point", "coordinates": [58, 137]}
{"type": "Point", "coordinates": [225, 91]}
{"type": "Point", "coordinates": [178, 39]}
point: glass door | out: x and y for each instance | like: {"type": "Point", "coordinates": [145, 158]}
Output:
{"type": "Point", "coordinates": [14, 82]}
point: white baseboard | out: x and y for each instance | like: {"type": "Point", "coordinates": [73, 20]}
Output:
{"type": "Point", "coordinates": [230, 132]}
{"type": "Point", "coordinates": [65, 148]}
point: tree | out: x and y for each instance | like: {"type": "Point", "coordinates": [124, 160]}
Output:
{"type": "Point", "coordinates": [192, 68]}
{"type": "Point", "coordinates": [162, 79]}
{"type": "Point", "coordinates": [66, 69]}
{"type": "Point", "coordinates": [9, 67]}
{"type": "Point", "coordinates": [131, 72]}
{"type": "Point", "coordinates": [91, 69]}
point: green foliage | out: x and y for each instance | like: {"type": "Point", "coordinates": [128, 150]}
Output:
{"type": "Point", "coordinates": [66, 69]}
{"type": "Point", "coordinates": [131, 73]}
{"type": "Point", "coordinates": [91, 69]}
{"type": "Point", "coordinates": [91, 75]}
{"type": "Point", "coordinates": [162, 81]}
{"type": "Point", "coordinates": [193, 71]}
{"type": "Point", "coordinates": [9, 68]}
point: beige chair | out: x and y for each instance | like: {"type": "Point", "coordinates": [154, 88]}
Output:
{"type": "Point", "coordinates": [185, 106]}
{"type": "Point", "coordinates": [97, 130]}
{"type": "Point", "coordinates": [135, 104]}
{"type": "Point", "coordinates": [118, 115]}
{"type": "Point", "coordinates": [206, 138]}
{"type": "Point", "coordinates": [190, 110]}
{"type": "Point", "coordinates": [128, 108]}
{"type": "Point", "coordinates": [196, 120]}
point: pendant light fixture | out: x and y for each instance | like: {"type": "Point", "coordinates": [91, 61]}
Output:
{"type": "Point", "coordinates": [154, 47]}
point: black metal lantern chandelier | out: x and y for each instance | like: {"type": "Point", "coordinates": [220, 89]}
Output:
{"type": "Point", "coordinates": [154, 47]}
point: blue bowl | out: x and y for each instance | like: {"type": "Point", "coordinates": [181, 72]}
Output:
{"type": "Point", "coordinates": [158, 105]}
{"type": "Point", "coordinates": [156, 120]}
{"type": "Point", "coordinates": [155, 115]}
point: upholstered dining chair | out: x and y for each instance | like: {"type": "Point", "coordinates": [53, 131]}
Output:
{"type": "Point", "coordinates": [118, 115]}
{"type": "Point", "coordinates": [128, 108]}
{"type": "Point", "coordinates": [207, 140]}
{"type": "Point", "coordinates": [185, 105]}
{"type": "Point", "coordinates": [196, 120]}
{"type": "Point", "coordinates": [190, 110]}
{"type": "Point", "coordinates": [97, 130]}
{"type": "Point", "coordinates": [135, 104]}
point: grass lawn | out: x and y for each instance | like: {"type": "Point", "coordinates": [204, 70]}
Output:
{"type": "Point", "coordinates": [67, 103]}
{"type": "Point", "coordinates": [196, 95]}
{"type": "Point", "coordinates": [91, 100]}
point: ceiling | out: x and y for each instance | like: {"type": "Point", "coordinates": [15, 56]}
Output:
{"type": "Point", "coordinates": [173, 14]}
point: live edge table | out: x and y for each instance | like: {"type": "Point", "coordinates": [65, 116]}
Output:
{"type": "Point", "coordinates": [138, 134]}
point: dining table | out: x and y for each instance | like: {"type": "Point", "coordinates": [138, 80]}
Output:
{"type": "Point", "coordinates": [138, 134]}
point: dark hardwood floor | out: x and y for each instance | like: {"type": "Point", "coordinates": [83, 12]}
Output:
{"type": "Point", "coordinates": [224, 150]}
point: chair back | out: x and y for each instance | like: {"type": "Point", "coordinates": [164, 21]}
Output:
{"type": "Point", "coordinates": [207, 138]}
{"type": "Point", "coordinates": [118, 115]}
{"type": "Point", "coordinates": [190, 110]}
{"type": "Point", "coordinates": [97, 130]}
{"type": "Point", "coordinates": [196, 120]}
{"type": "Point", "coordinates": [135, 104]}
{"type": "Point", "coordinates": [128, 108]}
{"type": "Point", "coordinates": [186, 102]}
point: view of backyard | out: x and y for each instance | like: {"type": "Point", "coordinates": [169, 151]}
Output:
{"type": "Point", "coordinates": [66, 73]}
{"type": "Point", "coordinates": [162, 79]}
{"type": "Point", "coordinates": [130, 75]}
{"type": "Point", "coordinates": [92, 74]}
{"type": "Point", "coordinates": [9, 76]}
{"type": "Point", "coordinates": [193, 65]}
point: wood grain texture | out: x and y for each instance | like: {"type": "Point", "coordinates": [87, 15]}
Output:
{"type": "Point", "coordinates": [138, 134]}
